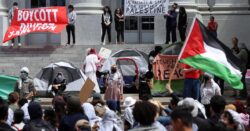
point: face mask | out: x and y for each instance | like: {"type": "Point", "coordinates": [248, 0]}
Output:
{"type": "Point", "coordinates": [23, 75]}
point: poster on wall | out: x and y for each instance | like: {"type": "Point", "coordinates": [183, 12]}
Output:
{"type": "Point", "coordinates": [145, 7]}
{"type": "Point", "coordinates": [164, 64]}
{"type": "Point", "coordinates": [46, 19]}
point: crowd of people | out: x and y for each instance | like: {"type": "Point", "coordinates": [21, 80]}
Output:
{"type": "Point", "coordinates": [67, 113]}
{"type": "Point", "coordinates": [203, 107]}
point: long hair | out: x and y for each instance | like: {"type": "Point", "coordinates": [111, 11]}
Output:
{"type": "Point", "coordinates": [109, 10]}
{"type": "Point", "coordinates": [121, 12]}
{"type": "Point", "coordinates": [182, 10]}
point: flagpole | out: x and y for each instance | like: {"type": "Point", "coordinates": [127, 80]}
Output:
{"type": "Point", "coordinates": [179, 57]}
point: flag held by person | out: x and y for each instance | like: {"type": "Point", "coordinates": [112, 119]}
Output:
{"type": "Point", "coordinates": [205, 52]}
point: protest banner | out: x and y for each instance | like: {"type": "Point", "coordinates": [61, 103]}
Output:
{"type": "Point", "coordinates": [164, 64]}
{"type": "Point", "coordinates": [46, 19]}
{"type": "Point", "coordinates": [145, 7]}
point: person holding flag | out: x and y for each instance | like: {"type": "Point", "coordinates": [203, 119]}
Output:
{"type": "Point", "coordinates": [191, 83]}
{"type": "Point", "coordinates": [10, 17]}
{"type": "Point", "coordinates": [205, 52]}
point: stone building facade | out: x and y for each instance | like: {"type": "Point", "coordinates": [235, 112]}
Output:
{"type": "Point", "coordinates": [233, 18]}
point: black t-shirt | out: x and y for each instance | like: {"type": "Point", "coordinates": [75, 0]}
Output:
{"type": "Point", "coordinates": [144, 90]}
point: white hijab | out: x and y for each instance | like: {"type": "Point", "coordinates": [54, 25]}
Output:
{"type": "Point", "coordinates": [110, 122]}
{"type": "Point", "coordinates": [90, 113]}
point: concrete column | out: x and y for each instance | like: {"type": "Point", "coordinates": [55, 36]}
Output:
{"type": "Point", "coordinates": [3, 18]}
{"type": "Point", "coordinates": [88, 24]}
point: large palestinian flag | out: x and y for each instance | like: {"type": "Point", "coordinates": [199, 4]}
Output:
{"type": "Point", "coordinates": [205, 52]}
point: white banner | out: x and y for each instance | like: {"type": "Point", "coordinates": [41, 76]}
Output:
{"type": "Point", "coordinates": [145, 7]}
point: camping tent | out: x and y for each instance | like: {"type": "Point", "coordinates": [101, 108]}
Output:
{"type": "Point", "coordinates": [7, 84]}
{"type": "Point", "coordinates": [128, 61]}
{"type": "Point", "coordinates": [74, 76]}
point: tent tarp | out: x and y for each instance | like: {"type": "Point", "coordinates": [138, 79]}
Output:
{"type": "Point", "coordinates": [7, 84]}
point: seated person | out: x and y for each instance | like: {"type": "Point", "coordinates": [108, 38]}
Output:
{"type": "Point", "coordinates": [59, 84]}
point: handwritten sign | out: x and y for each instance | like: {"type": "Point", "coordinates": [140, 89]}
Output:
{"type": "Point", "coordinates": [145, 7]}
{"type": "Point", "coordinates": [105, 53]}
{"type": "Point", "coordinates": [163, 66]}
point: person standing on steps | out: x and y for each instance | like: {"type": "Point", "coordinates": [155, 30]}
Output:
{"type": "Point", "coordinates": [71, 26]}
{"type": "Point", "coordinates": [106, 23]}
{"type": "Point", "coordinates": [171, 23]}
{"type": "Point", "coordinates": [24, 85]}
{"type": "Point", "coordinates": [119, 25]}
{"type": "Point", "coordinates": [212, 26]}
{"type": "Point", "coordinates": [10, 17]}
{"type": "Point", "coordinates": [182, 23]}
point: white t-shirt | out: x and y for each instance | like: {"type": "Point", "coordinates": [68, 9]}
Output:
{"type": "Point", "coordinates": [10, 116]}
{"type": "Point", "coordinates": [25, 110]}
{"type": "Point", "coordinates": [90, 63]}
{"type": "Point", "coordinates": [72, 17]}
{"type": "Point", "coordinates": [106, 18]}
{"type": "Point", "coordinates": [208, 91]}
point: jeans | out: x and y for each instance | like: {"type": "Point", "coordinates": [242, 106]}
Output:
{"type": "Point", "coordinates": [120, 33]}
{"type": "Point", "coordinates": [71, 28]}
{"type": "Point", "coordinates": [164, 120]}
{"type": "Point", "coordinates": [104, 29]}
{"type": "Point", "coordinates": [191, 88]}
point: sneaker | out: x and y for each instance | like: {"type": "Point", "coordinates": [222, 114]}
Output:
{"type": "Point", "coordinates": [19, 44]}
{"type": "Point", "coordinates": [12, 44]}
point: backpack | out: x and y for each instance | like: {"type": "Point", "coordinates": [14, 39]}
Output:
{"type": "Point", "coordinates": [40, 126]}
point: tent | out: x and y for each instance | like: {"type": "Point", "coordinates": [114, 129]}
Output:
{"type": "Point", "coordinates": [74, 76]}
{"type": "Point", "coordinates": [159, 86]}
{"type": "Point", "coordinates": [7, 84]}
{"type": "Point", "coordinates": [128, 61]}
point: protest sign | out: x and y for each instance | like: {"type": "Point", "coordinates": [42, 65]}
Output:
{"type": "Point", "coordinates": [163, 66]}
{"type": "Point", "coordinates": [46, 19]}
{"type": "Point", "coordinates": [145, 7]}
{"type": "Point", "coordinates": [86, 90]}
{"type": "Point", "coordinates": [105, 53]}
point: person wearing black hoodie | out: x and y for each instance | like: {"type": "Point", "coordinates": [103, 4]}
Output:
{"type": "Point", "coordinates": [36, 122]}
{"type": "Point", "coordinates": [59, 84]}
{"type": "Point", "coordinates": [182, 23]}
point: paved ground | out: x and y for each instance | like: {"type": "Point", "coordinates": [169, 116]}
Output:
{"type": "Point", "coordinates": [46, 102]}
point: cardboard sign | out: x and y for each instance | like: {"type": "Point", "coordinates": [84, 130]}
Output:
{"type": "Point", "coordinates": [46, 19]}
{"type": "Point", "coordinates": [105, 53]}
{"type": "Point", "coordinates": [163, 66]}
{"type": "Point", "coordinates": [145, 7]}
{"type": "Point", "coordinates": [86, 90]}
